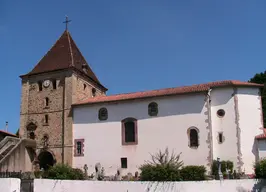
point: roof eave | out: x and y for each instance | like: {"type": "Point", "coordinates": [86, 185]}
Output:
{"type": "Point", "coordinates": [145, 97]}
{"type": "Point", "coordinates": [132, 99]}
{"type": "Point", "coordinates": [73, 68]}
{"type": "Point", "coordinates": [263, 138]}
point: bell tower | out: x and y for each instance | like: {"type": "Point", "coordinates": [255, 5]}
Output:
{"type": "Point", "coordinates": [62, 77]}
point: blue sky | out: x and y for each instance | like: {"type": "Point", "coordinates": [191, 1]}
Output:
{"type": "Point", "coordinates": [134, 45]}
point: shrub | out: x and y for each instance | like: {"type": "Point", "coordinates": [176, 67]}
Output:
{"type": "Point", "coordinates": [163, 167]}
{"type": "Point", "coordinates": [224, 165]}
{"type": "Point", "coordinates": [63, 172]}
{"type": "Point", "coordinates": [260, 169]}
{"type": "Point", "coordinates": [193, 173]}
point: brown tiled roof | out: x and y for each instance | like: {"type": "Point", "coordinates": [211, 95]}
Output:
{"type": "Point", "coordinates": [64, 54]}
{"type": "Point", "coordinates": [262, 136]}
{"type": "Point", "coordinates": [167, 92]}
{"type": "Point", "coordinates": [7, 133]}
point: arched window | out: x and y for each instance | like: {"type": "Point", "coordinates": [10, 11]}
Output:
{"type": "Point", "coordinates": [129, 131]}
{"type": "Point", "coordinates": [103, 114]}
{"type": "Point", "coordinates": [153, 109]}
{"type": "Point", "coordinates": [193, 137]}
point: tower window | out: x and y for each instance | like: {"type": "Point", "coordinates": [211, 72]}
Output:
{"type": "Point", "coordinates": [40, 85]}
{"type": "Point", "coordinates": [103, 114]}
{"type": "Point", "coordinates": [124, 162]}
{"type": "Point", "coordinates": [46, 119]}
{"type": "Point", "coordinates": [93, 92]}
{"type": "Point", "coordinates": [84, 86]}
{"type": "Point", "coordinates": [46, 102]}
{"type": "Point", "coordinates": [54, 83]}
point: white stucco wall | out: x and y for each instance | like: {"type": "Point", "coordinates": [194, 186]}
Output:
{"type": "Point", "coordinates": [168, 129]}
{"type": "Point", "coordinates": [102, 186]}
{"type": "Point", "coordinates": [9, 185]}
{"type": "Point", "coordinates": [250, 122]}
{"type": "Point", "coordinates": [222, 99]}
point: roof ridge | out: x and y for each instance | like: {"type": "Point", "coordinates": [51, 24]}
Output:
{"type": "Point", "coordinates": [70, 49]}
{"type": "Point", "coordinates": [167, 91]}
{"type": "Point", "coordinates": [182, 86]}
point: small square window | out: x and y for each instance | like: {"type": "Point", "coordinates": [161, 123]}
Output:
{"type": "Point", "coordinates": [124, 162]}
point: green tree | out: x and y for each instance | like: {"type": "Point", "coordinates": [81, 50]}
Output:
{"type": "Point", "coordinates": [260, 169]}
{"type": "Point", "coordinates": [260, 78]}
{"type": "Point", "coordinates": [17, 133]}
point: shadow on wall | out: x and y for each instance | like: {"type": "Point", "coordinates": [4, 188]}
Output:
{"type": "Point", "coordinates": [255, 150]}
{"type": "Point", "coordinates": [167, 106]}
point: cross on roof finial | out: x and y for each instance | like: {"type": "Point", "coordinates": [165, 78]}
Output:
{"type": "Point", "coordinates": [67, 21]}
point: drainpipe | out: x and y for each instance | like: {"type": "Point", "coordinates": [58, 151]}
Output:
{"type": "Point", "coordinates": [210, 124]}
{"type": "Point", "coordinates": [63, 121]}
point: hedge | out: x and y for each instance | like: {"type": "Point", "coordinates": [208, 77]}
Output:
{"type": "Point", "coordinates": [260, 169]}
{"type": "Point", "coordinates": [193, 173]}
{"type": "Point", "coordinates": [63, 172]}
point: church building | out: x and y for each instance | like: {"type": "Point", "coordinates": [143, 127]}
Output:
{"type": "Point", "coordinates": [202, 122]}
{"type": "Point", "coordinates": [65, 109]}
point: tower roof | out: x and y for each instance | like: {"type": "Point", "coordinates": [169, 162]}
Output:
{"type": "Point", "coordinates": [64, 54]}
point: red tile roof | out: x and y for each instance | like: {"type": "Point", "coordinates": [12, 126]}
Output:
{"type": "Point", "coordinates": [64, 54]}
{"type": "Point", "coordinates": [166, 92]}
{"type": "Point", "coordinates": [7, 133]}
{"type": "Point", "coordinates": [261, 136]}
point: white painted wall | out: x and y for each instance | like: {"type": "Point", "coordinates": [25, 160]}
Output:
{"type": "Point", "coordinates": [168, 129]}
{"type": "Point", "coordinates": [9, 185]}
{"type": "Point", "coordinates": [102, 186]}
{"type": "Point", "coordinates": [222, 99]}
{"type": "Point", "coordinates": [250, 122]}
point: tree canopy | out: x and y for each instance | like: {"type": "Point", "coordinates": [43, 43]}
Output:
{"type": "Point", "coordinates": [260, 78]}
